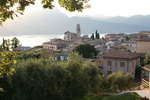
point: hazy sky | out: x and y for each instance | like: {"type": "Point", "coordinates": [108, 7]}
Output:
{"type": "Point", "coordinates": [99, 8]}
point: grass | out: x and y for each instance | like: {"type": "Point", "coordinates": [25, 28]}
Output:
{"type": "Point", "coordinates": [94, 97]}
{"type": "Point", "coordinates": [131, 96]}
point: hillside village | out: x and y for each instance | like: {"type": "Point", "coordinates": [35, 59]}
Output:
{"type": "Point", "coordinates": [116, 51]}
{"type": "Point", "coordinates": [113, 64]}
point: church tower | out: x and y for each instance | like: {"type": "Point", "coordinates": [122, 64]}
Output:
{"type": "Point", "coordinates": [78, 31]}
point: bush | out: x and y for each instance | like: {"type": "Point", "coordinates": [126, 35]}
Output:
{"type": "Point", "coordinates": [119, 81]}
{"type": "Point", "coordinates": [45, 79]}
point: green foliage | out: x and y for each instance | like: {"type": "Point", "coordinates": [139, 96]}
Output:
{"type": "Point", "coordinates": [93, 97]}
{"type": "Point", "coordinates": [58, 51]}
{"type": "Point", "coordinates": [87, 51]}
{"type": "Point", "coordinates": [97, 35]}
{"type": "Point", "coordinates": [7, 63]}
{"type": "Point", "coordinates": [45, 53]}
{"type": "Point", "coordinates": [138, 71]}
{"type": "Point", "coordinates": [6, 44]}
{"type": "Point", "coordinates": [147, 59]}
{"type": "Point", "coordinates": [127, 38]}
{"type": "Point", "coordinates": [11, 8]}
{"type": "Point", "coordinates": [92, 36]}
{"type": "Point", "coordinates": [103, 38]}
{"type": "Point", "coordinates": [129, 96]}
{"type": "Point", "coordinates": [6, 8]}
{"type": "Point", "coordinates": [1, 48]}
{"type": "Point", "coordinates": [126, 50]}
{"type": "Point", "coordinates": [37, 47]}
{"type": "Point", "coordinates": [119, 81]}
{"type": "Point", "coordinates": [3, 44]}
{"type": "Point", "coordinates": [27, 55]}
{"type": "Point", "coordinates": [10, 44]}
{"type": "Point", "coordinates": [46, 79]}
{"type": "Point", "coordinates": [74, 5]}
{"type": "Point", "coordinates": [15, 43]}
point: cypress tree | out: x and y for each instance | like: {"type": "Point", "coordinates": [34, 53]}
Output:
{"type": "Point", "coordinates": [3, 44]}
{"type": "Point", "coordinates": [92, 36]}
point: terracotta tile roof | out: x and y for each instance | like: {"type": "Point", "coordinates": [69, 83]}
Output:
{"type": "Point", "coordinates": [50, 43]}
{"type": "Point", "coordinates": [147, 67]}
{"type": "Point", "coordinates": [120, 54]}
{"type": "Point", "coordinates": [144, 39]}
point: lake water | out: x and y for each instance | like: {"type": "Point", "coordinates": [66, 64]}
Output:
{"type": "Point", "coordinates": [33, 40]}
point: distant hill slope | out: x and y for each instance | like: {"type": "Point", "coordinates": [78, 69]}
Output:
{"type": "Point", "coordinates": [55, 22]}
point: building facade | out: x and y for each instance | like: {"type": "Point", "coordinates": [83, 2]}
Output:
{"type": "Point", "coordinates": [118, 60]}
{"type": "Point", "coordinates": [143, 45]}
{"type": "Point", "coordinates": [55, 44]}
{"type": "Point", "coordinates": [131, 45]}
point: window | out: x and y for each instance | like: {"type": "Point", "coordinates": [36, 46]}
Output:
{"type": "Point", "coordinates": [109, 63]}
{"type": "Point", "coordinates": [132, 64]}
{"type": "Point", "coordinates": [116, 64]}
{"type": "Point", "coordinates": [122, 64]}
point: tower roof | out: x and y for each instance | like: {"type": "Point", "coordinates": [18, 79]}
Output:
{"type": "Point", "coordinates": [78, 25]}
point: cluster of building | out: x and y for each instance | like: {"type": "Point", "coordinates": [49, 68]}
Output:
{"type": "Point", "coordinates": [117, 52]}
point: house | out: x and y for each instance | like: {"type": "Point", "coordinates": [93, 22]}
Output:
{"type": "Point", "coordinates": [131, 45]}
{"type": "Point", "coordinates": [119, 60]}
{"type": "Point", "coordinates": [61, 56]}
{"type": "Point", "coordinates": [85, 38]}
{"type": "Point", "coordinates": [143, 45]}
{"type": "Point", "coordinates": [109, 44]}
{"type": "Point", "coordinates": [113, 35]}
{"type": "Point", "coordinates": [146, 77]}
{"type": "Point", "coordinates": [144, 32]}
{"type": "Point", "coordinates": [107, 36]}
{"type": "Point", "coordinates": [55, 44]}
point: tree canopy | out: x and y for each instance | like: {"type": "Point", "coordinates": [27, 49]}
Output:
{"type": "Point", "coordinates": [8, 44]}
{"type": "Point", "coordinates": [97, 35]}
{"type": "Point", "coordinates": [11, 8]}
{"type": "Point", "coordinates": [147, 58]}
{"type": "Point", "coordinates": [87, 51]}
{"type": "Point", "coordinates": [46, 79]}
{"type": "Point", "coordinates": [119, 81]}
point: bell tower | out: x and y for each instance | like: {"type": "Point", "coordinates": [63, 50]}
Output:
{"type": "Point", "coordinates": [78, 31]}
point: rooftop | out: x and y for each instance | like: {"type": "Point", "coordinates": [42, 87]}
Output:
{"type": "Point", "coordinates": [120, 54]}
{"type": "Point", "coordinates": [144, 39]}
{"type": "Point", "coordinates": [50, 43]}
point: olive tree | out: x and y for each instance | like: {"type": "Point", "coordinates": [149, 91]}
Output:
{"type": "Point", "coordinates": [45, 78]}
{"type": "Point", "coordinates": [119, 81]}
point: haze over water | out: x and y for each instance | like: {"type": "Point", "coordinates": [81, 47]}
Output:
{"type": "Point", "coordinates": [34, 40]}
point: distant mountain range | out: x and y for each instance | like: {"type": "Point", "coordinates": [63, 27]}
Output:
{"type": "Point", "coordinates": [43, 22]}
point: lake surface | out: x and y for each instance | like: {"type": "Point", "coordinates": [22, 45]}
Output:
{"type": "Point", "coordinates": [34, 40]}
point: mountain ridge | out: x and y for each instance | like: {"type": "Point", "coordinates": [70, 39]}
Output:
{"type": "Point", "coordinates": [42, 22]}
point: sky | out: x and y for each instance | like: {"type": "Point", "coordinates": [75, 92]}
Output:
{"type": "Point", "coordinates": [106, 8]}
